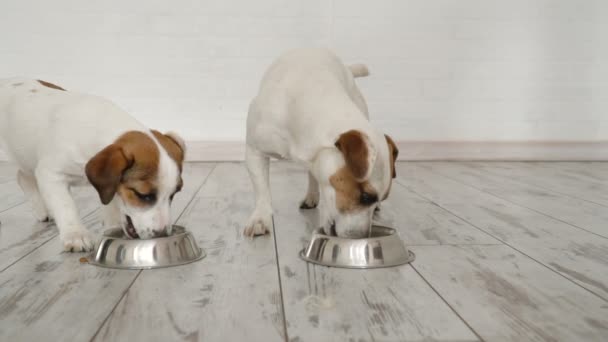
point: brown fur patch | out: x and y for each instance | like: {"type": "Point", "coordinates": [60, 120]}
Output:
{"type": "Point", "coordinates": [130, 163]}
{"type": "Point", "coordinates": [393, 153]}
{"type": "Point", "coordinates": [353, 145]}
{"type": "Point", "coordinates": [171, 146]}
{"type": "Point", "coordinates": [348, 190]}
{"type": "Point", "coordinates": [50, 85]}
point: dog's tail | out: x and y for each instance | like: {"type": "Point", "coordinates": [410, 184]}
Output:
{"type": "Point", "coordinates": [359, 70]}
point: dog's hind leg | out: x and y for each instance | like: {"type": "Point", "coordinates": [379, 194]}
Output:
{"type": "Point", "coordinates": [311, 200]}
{"type": "Point", "coordinates": [260, 221]}
{"type": "Point", "coordinates": [28, 184]}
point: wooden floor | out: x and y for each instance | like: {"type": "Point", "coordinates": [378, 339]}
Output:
{"type": "Point", "coordinates": [505, 252]}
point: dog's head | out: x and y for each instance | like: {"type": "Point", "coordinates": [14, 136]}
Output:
{"type": "Point", "coordinates": [142, 172]}
{"type": "Point", "coordinates": [353, 177]}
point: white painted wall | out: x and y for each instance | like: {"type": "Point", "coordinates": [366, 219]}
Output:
{"type": "Point", "coordinates": [466, 70]}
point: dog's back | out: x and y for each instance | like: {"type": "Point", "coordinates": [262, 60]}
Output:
{"type": "Point", "coordinates": [39, 119]}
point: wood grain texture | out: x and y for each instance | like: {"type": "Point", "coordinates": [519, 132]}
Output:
{"type": "Point", "coordinates": [580, 213]}
{"type": "Point", "coordinates": [231, 295]}
{"type": "Point", "coordinates": [505, 296]}
{"type": "Point", "coordinates": [50, 295]}
{"type": "Point", "coordinates": [10, 195]}
{"type": "Point", "coordinates": [576, 254]}
{"type": "Point", "coordinates": [23, 233]}
{"type": "Point", "coordinates": [331, 304]}
{"type": "Point", "coordinates": [595, 171]}
{"type": "Point", "coordinates": [424, 223]}
{"type": "Point", "coordinates": [8, 171]}
{"type": "Point", "coordinates": [587, 181]}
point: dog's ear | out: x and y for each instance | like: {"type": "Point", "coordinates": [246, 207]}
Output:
{"type": "Point", "coordinates": [393, 153]}
{"type": "Point", "coordinates": [105, 170]}
{"type": "Point", "coordinates": [358, 153]}
{"type": "Point", "coordinates": [173, 144]}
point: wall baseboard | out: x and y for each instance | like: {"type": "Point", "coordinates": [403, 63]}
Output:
{"type": "Point", "coordinates": [443, 150]}
{"type": "Point", "coordinates": [437, 150]}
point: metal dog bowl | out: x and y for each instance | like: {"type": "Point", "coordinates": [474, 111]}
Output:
{"type": "Point", "coordinates": [383, 248]}
{"type": "Point", "coordinates": [116, 251]}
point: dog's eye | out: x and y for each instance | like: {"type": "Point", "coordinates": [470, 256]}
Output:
{"type": "Point", "coordinates": [368, 199]}
{"type": "Point", "coordinates": [148, 198]}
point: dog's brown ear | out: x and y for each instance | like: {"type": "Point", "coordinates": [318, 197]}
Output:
{"type": "Point", "coordinates": [173, 144]}
{"type": "Point", "coordinates": [393, 152]}
{"type": "Point", "coordinates": [105, 170]}
{"type": "Point", "coordinates": [354, 145]}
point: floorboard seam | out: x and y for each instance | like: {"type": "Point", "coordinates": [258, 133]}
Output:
{"type": "Point", "coordinates": [124, 293]}
{"type": "Point", "coordinates": [530, 183]}
{"type": "Point", "coordinates": [140, 271]}
{"type": "Point", "coordinates": [517, 204]}
{"type": "Point", "coordinates": [448, 304]}
{"type": "Point", "coordinates": [195, 193]}
{"type": "Point", "coordinates": [276, 252]}
{"type": "Point", "coordinates": [442, 208]}
{"type": "Point", "coordinates": [13, 206]}
{"type": "Point", "coordinates": [44, 243]}
{"type": "Point", "coordinates": [519, 251]}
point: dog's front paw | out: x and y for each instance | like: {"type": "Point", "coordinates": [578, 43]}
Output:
{"type": "Point", "coordinates": [78, 241]}
{"type": "Point", "coordinates": [310, 201]}
{"type": "Point", "coordinates": [40, 212]}
{"type": "Point", "coordinates": [45, 219]}
{"type": "Point", "coordinates": [258, 225]}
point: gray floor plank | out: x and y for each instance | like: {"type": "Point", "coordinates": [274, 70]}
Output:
{"type": "Point", "coordinates": [586, 215]}
{"type": "Point", "coordinates": [231, 295]}
{"type": "Point", "coordinates": [587, 181]}
{"type": "Point", "coordinates": [22, 232]}
{"type": "Point", "coordinates": [329, 304]}
{"type": "Point", "coordinates": [8, 172]}
{"type": "Point", "coordinates": [592, 171]}
{"type": "Point", "coordinates": [49, 295]}
{"type": "Point", "coordinates": [10, 195]}
{"type": "Point", "coordinates": [505, 296]}
{"type": "Point", "coordinates": [577, 255]}
{"type": "Point", "coordinates": [424, 223]}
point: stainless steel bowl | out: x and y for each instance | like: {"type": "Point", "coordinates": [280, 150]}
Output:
{"type": "Point", "coordinates": [114, 250]}
{"type": "Point", "coordinates": [383, 248]}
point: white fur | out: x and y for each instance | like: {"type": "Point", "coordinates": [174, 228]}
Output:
{"type": "Point", "coordinates": [51, 135]}
{"type": "Point", "coordinates": [307, 99]}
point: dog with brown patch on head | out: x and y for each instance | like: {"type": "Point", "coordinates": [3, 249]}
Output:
{"type": "Point", "coordinates": [309, 110]}
{"type": "Point", "coordinates": [60, 138]}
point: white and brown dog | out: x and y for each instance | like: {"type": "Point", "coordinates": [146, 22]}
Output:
{"type": "Point", "coordinates": [310, 110]}
{"type": "Point", "coordinates": [61, 138]}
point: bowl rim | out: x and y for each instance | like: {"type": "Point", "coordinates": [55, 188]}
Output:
{"type": "Point", "coordinates": [181, 235]}
{"type": "Point", "coordinates": [107, 234]}
{"type": "Point", "coordinates": [410, 258]}
{"type": "Point", "coordinates": [393, 233]}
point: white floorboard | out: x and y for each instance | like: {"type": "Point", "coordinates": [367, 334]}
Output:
{"type": "Point", "coordinates": [506, 251]}
{"type": "Point", "coordinates": [231, 295]}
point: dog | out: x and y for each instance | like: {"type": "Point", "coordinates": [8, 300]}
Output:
{"type": "Point", "coordinates": [61, 138]}
{"type": "Point", "coordinates": [309, 110]}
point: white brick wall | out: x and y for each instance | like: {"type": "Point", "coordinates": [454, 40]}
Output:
{"type": "Point", "coordinates": [466, 70]}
